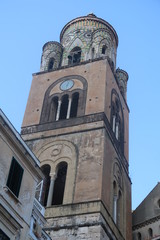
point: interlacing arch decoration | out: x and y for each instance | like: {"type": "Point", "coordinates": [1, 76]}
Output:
{"type": "Point", "coordinates": [117, 119]}
{"type": "Point", "coordinates": [64, 104]}
{"type": "Point", "coordinates": [58, 163]}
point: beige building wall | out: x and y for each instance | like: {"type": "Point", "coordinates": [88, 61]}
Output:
{"type": "Point", "coordinates": [15, 211]}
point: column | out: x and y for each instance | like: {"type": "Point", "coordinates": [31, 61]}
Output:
{"type": "Point", "coordinates": [58, 110]}
{"type": "Point", "coordinates": [51, 188]}
{"type": "Point", "coordinates": [69, 108]}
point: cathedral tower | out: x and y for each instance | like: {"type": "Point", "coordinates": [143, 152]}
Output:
{"type": "Point", "coordinates": [76, 123]}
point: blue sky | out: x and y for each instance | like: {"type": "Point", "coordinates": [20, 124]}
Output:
{"type": "Point", "coordinates": [26, 25]}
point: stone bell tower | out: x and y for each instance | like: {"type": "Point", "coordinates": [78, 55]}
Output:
{"type": "Point", "coordinates": [76, 123]}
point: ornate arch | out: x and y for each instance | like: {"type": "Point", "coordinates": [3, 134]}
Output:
{"type": "Point", "coordinates": [54, 153]}
{"type": "Point", "coordinates": [51, 93]}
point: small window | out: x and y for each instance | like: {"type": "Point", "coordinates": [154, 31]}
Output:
{"type": "Point", "coordinates": [150, 232]}
{"type": "Point", "coordinates": [139, 236]}
{"type": "Point", "coordinates": [92, 53]}
{"type": "Point", "coordinates": [104, 48]}
{"type": "Point", "coordinates": [158, 202]}
{"type": "Point", "coordinates": [75, 56]}
{"type": "Point", "coordinates": [51, 64]}
{"type": "Point", "coordinates": [3, 236]}
{"type": "Point", "coordinates": [15, 177]}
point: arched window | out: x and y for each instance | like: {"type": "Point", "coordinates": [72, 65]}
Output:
{"type": "Point", "coordinates": [53, 109]}
{"type": "Point", "coordinates": [74, 105]}
{"type": "Point", "coordinates": [115, 201]}
{"type": "Point", "coordinates": [117, 119]}
{"type": "Point", "coordinates": [74, 56]}
{"type": "Point", "coordinates": [119, 209]}
{"type": "Point", "coordinates": [150, 232]}
{"type": "Point", "coordinates": [51, 64]}
{"type": "Point", "coordinates": [64, 107]}
{"type": "Point", "coordinates": [46, 183]}
{"type": "Point", "coordinates": [65, 101]}
{"type": "Point", "coordinates": [104, 48]}
{"type": "Point", "coordinates": [92, 53]}
{"type": "Point", "coordinates": [139, 236]}
{"type": "Point", "coordinates": [59, 186]}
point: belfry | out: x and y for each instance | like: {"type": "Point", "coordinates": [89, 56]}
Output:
{"type": "Point", "coordinates": [76, 123]}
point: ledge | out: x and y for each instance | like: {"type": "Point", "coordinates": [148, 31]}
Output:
{"type": "Point", "coordinates": [84, 208]}
{"type": "Point", "coordinates": [9, 192]}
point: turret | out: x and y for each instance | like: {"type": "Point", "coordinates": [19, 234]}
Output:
{"type": "Point", "coordinates": [51, 56]}
{"type": "Point", "coordinates": [122, 78]}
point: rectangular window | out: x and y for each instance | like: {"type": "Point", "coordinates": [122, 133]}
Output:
{"type": "Point", "coordinates": [15, 177]}
{"type": "Point", "coordinates": [3, 236]}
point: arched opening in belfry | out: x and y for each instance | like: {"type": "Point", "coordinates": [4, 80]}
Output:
{"type": "Point", "coordinates": [51, 63]}
{"type": "Point", "coordinates": [59, 185]}
{"type": "Point", "coordinates": [93, 53]}
{"type": "Point", "coordinates": [46, 183]}
{"type": "Point", "coordinates": [53, 109]}
{"type": "Point", "coordinates": [104, 49]}
{"type": "Point", "coordinates": [74, 56]}
{"type": "Point", "coordinates": [74, 106]}
{"type": "Point", "coordinates": [64, 107]}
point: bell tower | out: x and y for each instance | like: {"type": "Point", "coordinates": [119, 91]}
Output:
{"type": "Point", "coordinates": [76, 123]}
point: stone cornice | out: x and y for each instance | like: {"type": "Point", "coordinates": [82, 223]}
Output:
{"type": "Point", "coordinates": [145, 223]}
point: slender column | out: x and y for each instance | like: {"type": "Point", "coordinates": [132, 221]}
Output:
{"type": "Point", "coordinates": [58, 110]}
{"type": "Point", "coordinates": [69, 108]}
{"type": "Point", "coordinates": [115, 208]}
{"type": "Point", "coordinates": [114, 123]}
{"type": "Point", "coordinates": [51, 188]}
{"type": "Point", "coordinates": [117, 130]}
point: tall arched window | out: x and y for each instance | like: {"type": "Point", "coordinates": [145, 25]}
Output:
{"type": "Point", "coordinates": [46, 183]}
{"type": "Point", "coordinates": [74, 105]}
{"type": "Point", "coordinates": [51, 64]}
{"type": "Point", "coordinates": [117, 119]}
{"type": "Point", "coordinates": [115, 201]}
{"type": "Point", "coordinates": [53, 109]}
{"type": "Point", "coordinates": [59, 186]}
{"type": "Point", "coordinates": [64, 107]}
{"type": "Point", "coordinates": [119, 209]}
{"type": "Point", "coordinates": [74, 56]}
